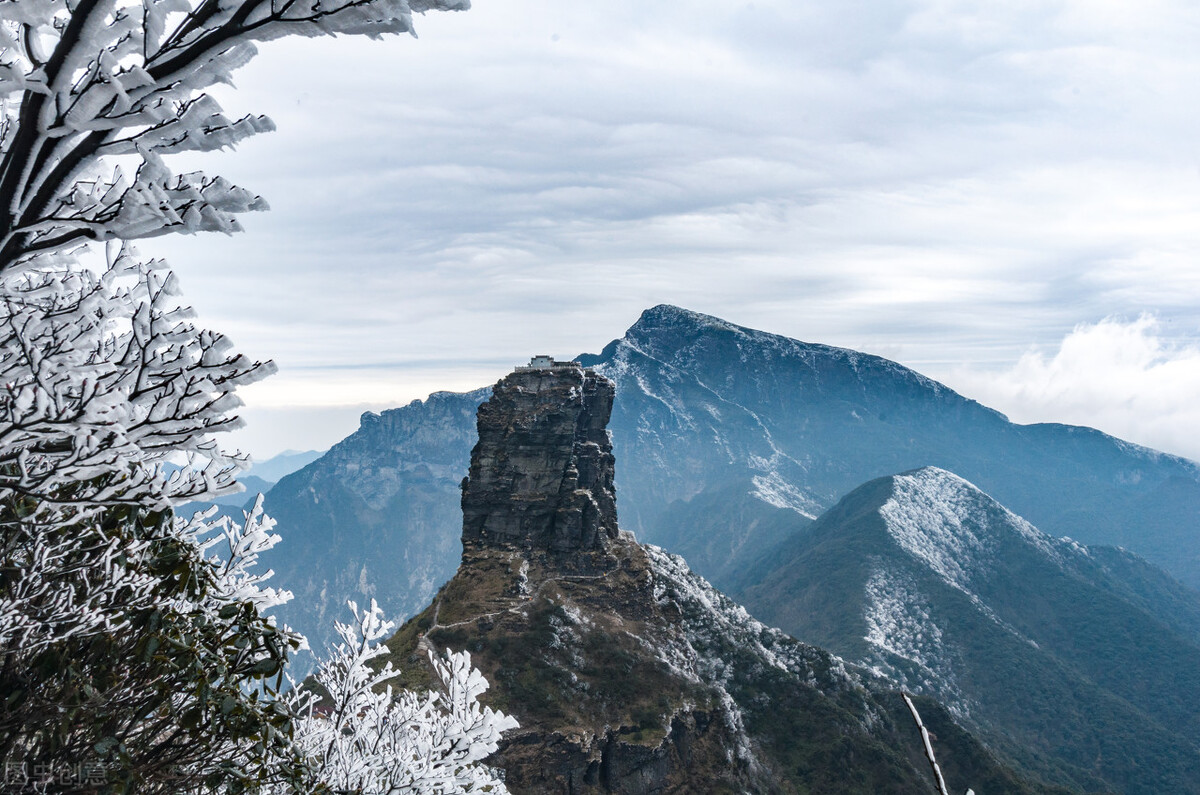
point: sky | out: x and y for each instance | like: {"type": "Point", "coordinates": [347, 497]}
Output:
{"type": "Point", "coordinates": [1003, 196]}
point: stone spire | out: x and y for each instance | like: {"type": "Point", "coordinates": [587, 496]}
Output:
{"type": "Point", "coordinates": [541, 475]}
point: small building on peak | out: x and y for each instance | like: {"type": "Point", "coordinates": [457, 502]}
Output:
{"type": "Point", "coordinates": [542, 362]}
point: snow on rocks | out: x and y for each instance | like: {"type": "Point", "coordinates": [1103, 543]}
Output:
{"type": "Point", "coordinates": [711, 618]}
{"type": "Point", "coordinates": [772, 489]}
{"type": "Point", "coordinates": [953, 527]}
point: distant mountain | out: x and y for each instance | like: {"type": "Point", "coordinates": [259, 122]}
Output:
{"type": "Point", "coordinates": [254, 485]}
{"type": "Point", "coordinates": [377, 516]}
{"type": "Point", "coordinates": [627, 672]}
{"type": "Point", "coordinates": [259, 479]}
{"type": "Point", "coordinates": [1081, 664]}
{"type": "Point", "coordinates": [731, 441]}
{"type": "Point", "coordinates": [277, 467]}
{"type": "Point", "coordinates": [707, 408]}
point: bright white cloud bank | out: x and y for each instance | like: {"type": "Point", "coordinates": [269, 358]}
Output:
{"type": "Point", "coordinates": [1125, 377]}
{"type": "Point", "coordinates": [941, 182]}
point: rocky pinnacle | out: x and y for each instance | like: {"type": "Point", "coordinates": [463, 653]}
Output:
{"type": "Point", "coordinates": [541, 475]}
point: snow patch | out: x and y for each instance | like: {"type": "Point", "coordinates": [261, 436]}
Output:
{"type": "Point", "coordinates": [713, 620]}
{"type": "Point", "coordinates": [947, 523]}
{"type": "Point", "coordinates": [523, 579]}
{"type": "Point", "coordinates": [772, 489]}
{"type": "Point", "coordinates": [671, 401]}
{"type": "Point", "coordinates": [925, 516]}
{"type": "Point", "coordinates": [950, 525]}
{"type": "Point", "coordinates": [899, 621]}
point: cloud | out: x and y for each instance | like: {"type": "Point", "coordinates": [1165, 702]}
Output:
{"type": "Point", "coordinates": [1129, 378]}
{"type": "Point", "coordinates": [939, 180]}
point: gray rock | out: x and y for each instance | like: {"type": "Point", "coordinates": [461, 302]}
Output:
{"type": "Point", "coordinates": [541, 475]}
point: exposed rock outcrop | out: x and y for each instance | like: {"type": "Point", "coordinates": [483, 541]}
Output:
{"type": "Point", "coordinates": [725, 437]}
{"type": "Point", "coordinates": [542, 472]}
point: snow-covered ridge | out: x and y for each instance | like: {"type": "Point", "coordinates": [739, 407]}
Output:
{"type": "Point", "coordinates": [925, 516]}
{"type": "Point", "coordinates": [668, 314]}
{"type": "Point", "coordinates": [772, 489]}
{"type": "Point", "coordinates": [947, 523]}
{"type": "Point", "coordinates": [762, 345]}
{"type": "Point", "coordinates": [774, 345]}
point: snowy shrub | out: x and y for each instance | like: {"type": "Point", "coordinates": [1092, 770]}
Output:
{"type": "Point", "coordinates": [363, 737]}
{"type": "Point", "coordinates": [134, 660]}
{"type": "Point", "coordinates": [127, 647]}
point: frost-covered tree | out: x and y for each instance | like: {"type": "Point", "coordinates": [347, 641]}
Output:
{"type": "Point", "coordinates": [149, 689]}
{"type": "Point", "coordinates": [103, 376]}
{"type": "Point", "coordinates": [126, 647]}
{"type": "Point", "coordinates": [87, 83]}
{"type": "Point", "coordinates": [133, 656]}
{"type": "Point", "coordinates": [362, 737]}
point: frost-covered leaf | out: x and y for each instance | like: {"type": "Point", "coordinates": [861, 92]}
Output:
{"type": "Point", "coordinates": [81, 82]}
{"type": "Point", "coordinates": [368, 738]}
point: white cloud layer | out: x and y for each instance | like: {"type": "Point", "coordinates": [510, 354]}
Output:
{"type": "Point", "coordinates": [1126, 377]}
{"type": "Point", "coordinates": [940, 181]}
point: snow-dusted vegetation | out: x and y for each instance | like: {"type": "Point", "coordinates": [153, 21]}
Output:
{"type": "Point", "coordinates": [366, 738]}
{"type": "Point", "coordinates": [137, 649]}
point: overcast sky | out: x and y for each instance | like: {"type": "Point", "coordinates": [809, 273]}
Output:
{"type": "Point", "coordinates": [1004, 196]}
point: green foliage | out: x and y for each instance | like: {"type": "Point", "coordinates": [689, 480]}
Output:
{"type": "Point", "coordinates": [180, 696]}
{"type": "Point", "coordinates": [529, 678]}
{"type": "Point", "coordinates": [1064, 674]}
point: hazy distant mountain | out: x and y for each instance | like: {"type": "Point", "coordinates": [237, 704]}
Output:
{"type": "Point", "coordinates": [259, 479]}
{"type": "Point", "coordinates": [1082, 664]}
{"type": "Point", "coordinates": [730, 441]}
{"type": "Point", "coordinates": [277, 467]}
{"type": "Point", "coordinates": [254, 485]}
{"type": "Point", "coordinates": [712, 411]}
{"type": "Point", "coordinates": [377, 516]}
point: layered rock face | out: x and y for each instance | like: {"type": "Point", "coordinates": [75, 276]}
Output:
{"type": "Point", "coordinates": [541, 476]}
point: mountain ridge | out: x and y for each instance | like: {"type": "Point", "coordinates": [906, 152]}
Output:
{"type": "Point", "coordinates": [934, 584]}
{"type": "Point", "coordinates": [627, 672]}
{"type": "Point", "coordinates": [720, 460]}
{"type": "Point", "coordinates": [832, 418]}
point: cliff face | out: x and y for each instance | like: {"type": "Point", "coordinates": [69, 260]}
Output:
{"type": "Point", "coordinates": [629, 673]}
{"type": "Point", "coordinates": [542, 472]}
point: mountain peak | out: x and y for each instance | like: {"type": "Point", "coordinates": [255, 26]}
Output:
{"type": "Point", "coordinates": [950, 524]}
{"type": "Point", "coordinates": [695, 341]}
{"type": "Point", "coordinates": [627, 672]}
{"type": "Point", "coordinates": [931, 582]}
{"type": "Point", "coordinates": [669, 316]}
{"type": "Point", "coordinates": [541, 475]}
